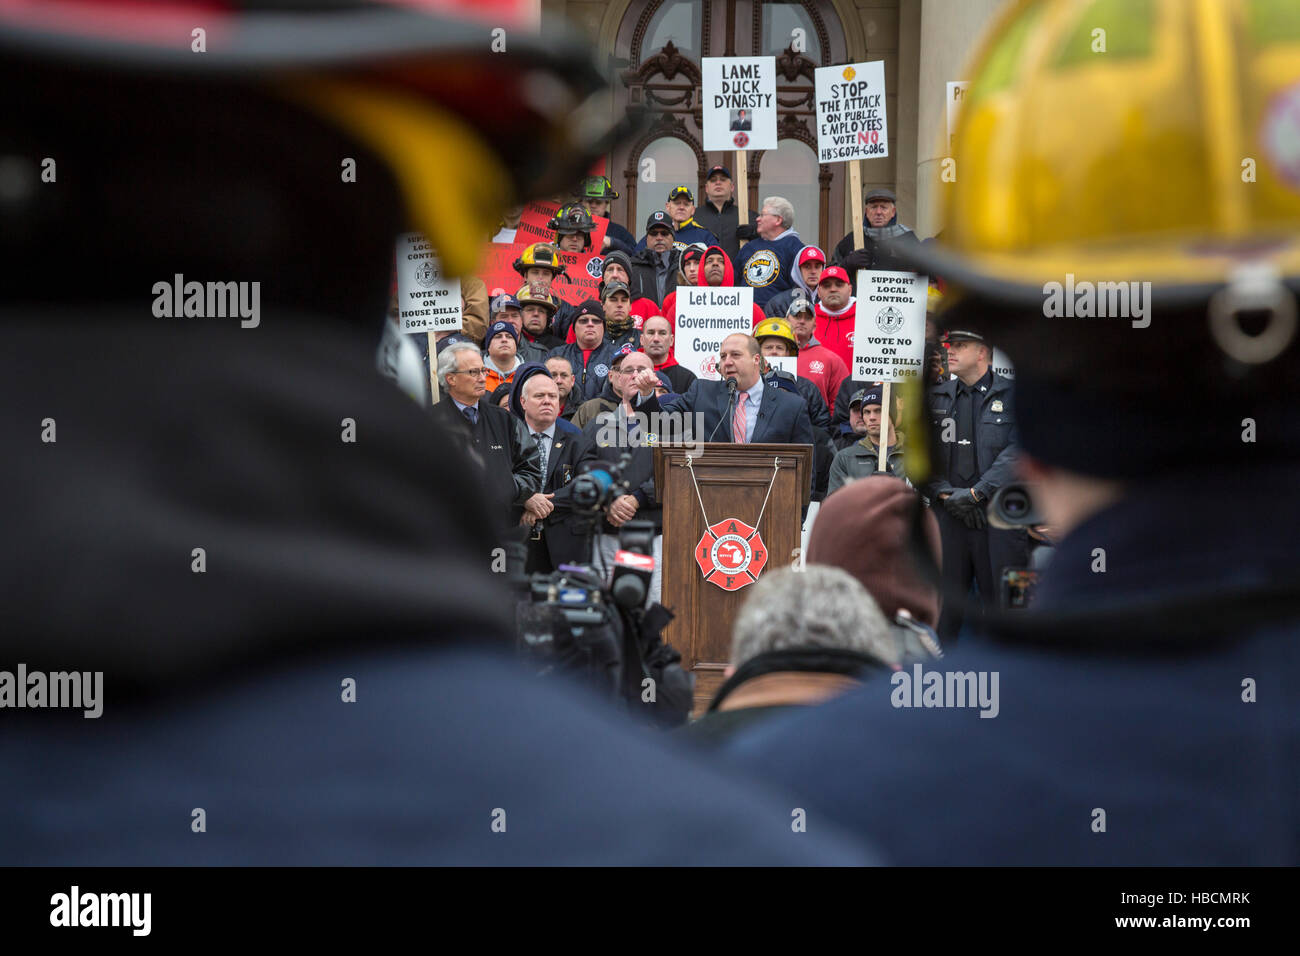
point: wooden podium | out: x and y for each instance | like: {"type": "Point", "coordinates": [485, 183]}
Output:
{"type": "Point", "coordinates": [733, 482]}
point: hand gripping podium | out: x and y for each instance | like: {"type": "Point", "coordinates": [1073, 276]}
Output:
{"type": "Point", "coordinates": [731, 512]}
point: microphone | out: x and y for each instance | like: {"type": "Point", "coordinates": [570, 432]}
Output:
{"type": "Point", "coordinates": [732, 386]}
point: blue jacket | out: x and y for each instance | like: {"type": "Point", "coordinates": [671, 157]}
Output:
{"type": "Point", "coordinates": [782, 417]}
{"type": "Point", "coordinates": [995, 431]}
{"type": "Point", "coordinates": [588, 381]}
{"type": "Point", "coordinates": [1160, 738]}
{"type": "Point", "coordinates": [768, 266]}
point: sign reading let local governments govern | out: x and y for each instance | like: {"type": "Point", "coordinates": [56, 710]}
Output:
{"type": "Point", "coordinates": [705, 316]}
{"type": "Point", "coordinates": [739, 101]}
{"type": "Point", "coordinates": [426, 301]}
{"type": "Point", "coordinates": [889, 331]}
{"type": "Point", "coordinates": [851, 120]}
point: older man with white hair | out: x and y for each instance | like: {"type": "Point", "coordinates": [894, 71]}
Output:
{"type": "Point", "coordinates": [800, 638]}
{"type": "Point", "coordinates": [512, 464]}
{"type": "Point", "coordinates": [769, 264]}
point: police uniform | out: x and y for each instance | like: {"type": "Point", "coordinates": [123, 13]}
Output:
{"type": "Point", "coordinates": [981, 455]}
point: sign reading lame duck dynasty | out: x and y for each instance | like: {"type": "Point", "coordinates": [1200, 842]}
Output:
{"type": "Point", "coordinates": [705, 316]}
{"type": "Point", "coordinates": [739, 102]}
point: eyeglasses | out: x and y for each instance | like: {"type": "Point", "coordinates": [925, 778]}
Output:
{"type": "Point", "coordinates": [479, 372]}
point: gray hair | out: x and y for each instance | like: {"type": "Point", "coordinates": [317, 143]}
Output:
{"type": "Point", "coordinates": [447, 359]}
{"type": "Point", "coordinates": [782, 207]}
{"type": "Point", "coordinates": [523, 391]}
{"type": "Point", "coordinates": [821, 606]}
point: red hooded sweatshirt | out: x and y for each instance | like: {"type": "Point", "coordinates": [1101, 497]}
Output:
{"type": "Point", "coordinates": [728, 278]}
{"type": "Point", "coordinates": [835, 329]}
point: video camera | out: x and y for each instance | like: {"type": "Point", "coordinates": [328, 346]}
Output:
{"type": "Point", "coordinates": [570, 622]}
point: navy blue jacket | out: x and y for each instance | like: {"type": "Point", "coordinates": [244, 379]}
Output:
{"type": "Point", "coordinates": [589, 380]}
{"type": "Point", "coordinates": [768, 266]}
{"type": "Point", "coordinates": [995, 431]}
{"type": "Point", "coordinates": [782, 417]}
{"type": "Point", "coordinates": [1187, 772]}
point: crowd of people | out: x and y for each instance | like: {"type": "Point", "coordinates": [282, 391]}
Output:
{"type": "Point", "coordinates": [568, 371]}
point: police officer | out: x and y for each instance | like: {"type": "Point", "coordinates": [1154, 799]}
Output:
{"type": "Point", "coordinates": [972, 413]}
{"type": "Point", "coordinates": [1162, 442]}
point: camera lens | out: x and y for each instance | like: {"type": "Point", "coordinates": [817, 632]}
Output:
{"type": "Point", "coordinates": [1016, 504]}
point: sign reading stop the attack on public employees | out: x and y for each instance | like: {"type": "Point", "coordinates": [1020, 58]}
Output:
{"type": "Point", "coordinates": [426, 300]}
{"type": "Point", "coordinates": [739, 102]}
{"type": "Point", "coordinates": [851, 120]}
{"type": "Point", "coordinates": [889, 326]}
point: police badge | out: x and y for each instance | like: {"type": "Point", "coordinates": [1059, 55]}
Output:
{"type": "Point", "coordinates": [996, 405]}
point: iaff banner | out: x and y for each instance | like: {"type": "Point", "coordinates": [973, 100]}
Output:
{"type": "Point", "coordinates": [580, 281]}
{"type": "Point", "coordinates": [851, 120]}
{"type": "Point", "coordinates": [739, 100]}
{"type": "Point", "coordinates": [426, 302]}
{"type": "Point", "coordinates": [533, 226]}
{"type": "Point", "coordinates": [889, 331]}
{"type": "Point", "coordinates": [705, 316]}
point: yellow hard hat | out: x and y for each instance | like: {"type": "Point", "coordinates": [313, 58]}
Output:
{"type": "Point", "coordinates": [1154, 140]}
{"type": "Point", "coordinates": [541, 255]}
{"type": "Point", "coordinates": [778, 328]}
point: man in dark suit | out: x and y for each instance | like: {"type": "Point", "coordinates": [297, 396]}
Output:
{"type": "Point", "coordinates": [555, 539]}
{"type": "Point", "coordinates": [741, 121]}
{"type": "Point", "coordinates": [753, 413]}
{"type": "Point", "coordinates": [512, 465]}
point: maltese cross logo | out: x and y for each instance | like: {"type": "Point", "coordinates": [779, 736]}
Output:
{"type": "Point", "coordinates": [731, 554]}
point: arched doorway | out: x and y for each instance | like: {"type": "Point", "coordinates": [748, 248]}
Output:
{"type": "Point", "coordinates": [662, 41]}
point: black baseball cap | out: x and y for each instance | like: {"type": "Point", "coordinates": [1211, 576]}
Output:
{"type": "Point", "coordinates": [659, 218]}
{"type": "Point", "coordinates": [612, 286]}
{"type": "Point", "coordinates": [717, 169]}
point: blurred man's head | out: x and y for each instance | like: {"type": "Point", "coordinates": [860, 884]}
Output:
{"type": "Point", "coordinates": [536, 275]}
{"type": "Point", "coordinates": [740, 359]}
{"type": "Point", "coordinates": [572, 242]}
{"type": "Point", "coordinates": [819, 607]}
{"type": "Point", "coordinates": [562, 374]}
{"type": "Point", "coordinates": [540, 400]}
{"type": "Point", "coordinates": [657, 338]}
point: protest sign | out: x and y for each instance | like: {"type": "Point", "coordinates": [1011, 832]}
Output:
{"type": "Point", "coordinates": [1002, 365]}
{"type": "Point", "coordinates": [889, 327]}
{"type": "Point", "coordinates": [956, 93]}
{"type": "Point", "coordinates": [739, 101]}
{"type": "Point", "coordinates": [784, 363]}
{"type": "Point", "coordinates": [705, 316]}
{"type": "Point", "coordinates": [533, 225]}
{"type": "Point", "coordinates": [426, 301]}
{"type": "Point", "coordinates": [851, 121]}
{"type": "Point", "coordinates": [580, 281]}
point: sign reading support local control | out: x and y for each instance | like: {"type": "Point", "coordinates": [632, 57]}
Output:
{"type": "Point", "coordinates": [426, 301]}
{"type": "Point", "coordinates": [705, 316]}
{"type": "Point", "coordinates": [851, 120]}
{"type": "Point", "coordinates": [739, 101]}
{"type": "Point", "coordinates": [889, 327]}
